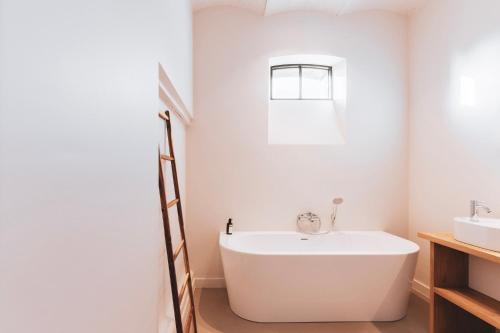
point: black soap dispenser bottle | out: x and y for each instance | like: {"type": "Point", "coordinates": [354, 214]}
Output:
{"type": "Point", "coordinates": [229, 227]}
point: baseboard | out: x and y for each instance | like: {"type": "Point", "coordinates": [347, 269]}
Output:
{"type": "Point", "coordinates": [421, 290]}
{"type": "Point", "coordinates": [209, 283]}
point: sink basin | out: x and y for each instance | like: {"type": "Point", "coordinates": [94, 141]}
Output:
{"type": "Point", "coordinates": [484, 232]}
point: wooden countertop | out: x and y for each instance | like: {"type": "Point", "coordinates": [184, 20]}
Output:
{"type": "Point", "coordinates": [447, 239]}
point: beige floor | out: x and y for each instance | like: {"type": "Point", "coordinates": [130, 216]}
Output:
{"type": "Point", "coordinates": [214, 315]}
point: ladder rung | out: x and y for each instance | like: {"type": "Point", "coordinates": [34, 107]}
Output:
{"type": "Point", "coordinates": [172, 203]}
{"type": "Point", "coordinates": [166, 157]}
{"type": "Point", "coordinates": [163, 116]}
{"type": "Point", "coordinates": [183, 288]}
{"type": "Point", "coordinates": [187, 326]}
{"type": "Point", "coordinates": [178, 249]}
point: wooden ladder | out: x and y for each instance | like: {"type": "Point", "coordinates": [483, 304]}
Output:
{"type": "Point", "coordinates": [172, 255]}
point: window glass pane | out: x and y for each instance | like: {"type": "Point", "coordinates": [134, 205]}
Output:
{"type": "Point", "coordinates": [286, 83]}
{"type": "Point", "coordinates": [315, 83]}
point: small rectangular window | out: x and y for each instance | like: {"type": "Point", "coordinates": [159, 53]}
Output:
{"type": "Point", "coordinates": [286, 82]}
{"type": "Point", "coordinates": [301, 82]}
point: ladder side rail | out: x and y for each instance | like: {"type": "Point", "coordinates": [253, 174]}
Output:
{"type": "Point", "coordinates": [170, 255]}
{"type": "Point", "coordinates": [181, 217]}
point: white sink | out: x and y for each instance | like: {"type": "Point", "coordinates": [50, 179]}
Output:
{"type": "Point", "coordinates": [484, 232]}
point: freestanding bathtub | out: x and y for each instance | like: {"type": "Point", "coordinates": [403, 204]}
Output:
{"type": "Point", "coordinates": [341, 276]}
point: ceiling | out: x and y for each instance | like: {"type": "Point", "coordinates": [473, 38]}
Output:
{"type": "Point", "coordinates": [336, 7]}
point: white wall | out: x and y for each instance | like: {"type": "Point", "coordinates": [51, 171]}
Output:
{"type": "Point", "coordinates": [232, 171]}
{"type": "Point", "coordinates": [177, 32]}
{"type": "Point", "coordinates": [80, 232]}
{"type": "Point", "coordinates": [454, 149]}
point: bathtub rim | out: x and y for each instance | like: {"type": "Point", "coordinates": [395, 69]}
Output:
{"type": "Point", "coordinates": [224, 246]}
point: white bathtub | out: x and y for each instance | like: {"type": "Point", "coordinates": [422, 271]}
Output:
{"type": "Point", "coordinates": [342, 276]}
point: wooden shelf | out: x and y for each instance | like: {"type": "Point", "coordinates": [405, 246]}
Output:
{"type": "Point", "coordinates": [454, 307]}
{"type": "Point", "coordinates": [480, 305]}
{"type": "Point", "coordinates": [446, 239]}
